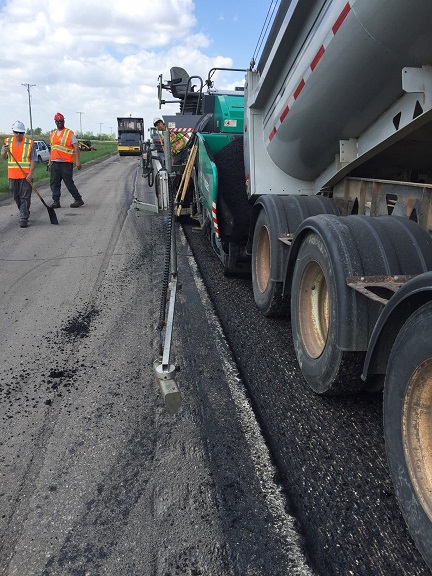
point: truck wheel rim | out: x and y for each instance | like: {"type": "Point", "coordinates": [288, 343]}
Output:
{"type": "Point", "coordinates": [262, 272]}
{"type": "Point", "coordinates": [313, 310]}
{"type": "Point", "coordinates": [417, 433]}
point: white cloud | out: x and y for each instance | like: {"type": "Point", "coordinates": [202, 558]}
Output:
{"type": "Point", "coordinates": [99, 57]}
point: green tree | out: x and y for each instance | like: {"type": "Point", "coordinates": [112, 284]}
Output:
{"type": "Point", "coordinates": [36, 131]}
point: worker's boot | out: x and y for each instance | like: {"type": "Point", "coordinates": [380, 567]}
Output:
{"type": "Point", "coordinates": [55, 204]}
{"type": "Point", "coordinates": [77, 203]}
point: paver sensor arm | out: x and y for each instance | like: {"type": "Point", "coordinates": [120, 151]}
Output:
{"type": "Point", "coordinates": [163, 368]}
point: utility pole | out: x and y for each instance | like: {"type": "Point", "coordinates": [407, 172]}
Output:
{"type": "Point", "coordinates": [80, 113]}
{"type": "Point", "coordinates": [28, 90]}
{"type": "Point", "coordinates": [100, 130]}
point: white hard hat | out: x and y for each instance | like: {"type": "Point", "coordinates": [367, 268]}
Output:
{"type": "Point", "coordinates": [18, 127]}
{"type": "Point", "coordinates": [156, 119]}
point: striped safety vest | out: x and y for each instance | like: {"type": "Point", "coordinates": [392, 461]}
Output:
{"type": "Point", "coordinates": [177, 142]}
{"type": "Point", "coordinates": [61, 145]}
{"type": "Point", "coordinates": [22, 156]}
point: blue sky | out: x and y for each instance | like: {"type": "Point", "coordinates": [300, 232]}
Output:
{"type": "Point", "coordinates": [234, 27]}
{"type": "Point", "coordinates": [103, 57]}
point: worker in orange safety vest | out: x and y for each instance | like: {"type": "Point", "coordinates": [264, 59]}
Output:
{"type": "Point", "coordinates": [21, 154]}
{"type": "Point", "coordinates": [64, 150]}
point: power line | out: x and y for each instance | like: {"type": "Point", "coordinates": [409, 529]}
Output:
{"type": "Point", "coordinates": [39, 94]}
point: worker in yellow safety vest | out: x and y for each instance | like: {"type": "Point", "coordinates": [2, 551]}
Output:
{"type": "Point", "coordinates": [21, 154]}
{"type": "Point", "coordinates": [178, 141]}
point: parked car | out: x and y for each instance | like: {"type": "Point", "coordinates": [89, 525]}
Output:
{"type": "Point", "coordinates": [43, 151]}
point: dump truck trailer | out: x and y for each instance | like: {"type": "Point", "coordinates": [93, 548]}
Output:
{"type": "Point", "coordinates": [130, 136]}
{"type": "Point", "coordinates": [322, 188]}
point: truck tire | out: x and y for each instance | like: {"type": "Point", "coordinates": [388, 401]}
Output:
{"type": "Point", "coordinates": [278, 216]}
{"type": "Point", "coordinates": [314, 294]}
{"type": "Point", "coordinates": [327, 316]}
{"type": "Point", "coordinates": [267, 292]}
{"type": "Point", "coordinates": [408, 425]}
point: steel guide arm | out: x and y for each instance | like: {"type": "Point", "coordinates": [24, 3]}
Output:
{"type": "Point", "coordinates": [163, 368]}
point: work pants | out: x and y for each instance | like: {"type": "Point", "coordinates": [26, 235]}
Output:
{"type": "Point", "coordinates": [63, 171]}
{"type": "Point", "coordinates": [21, 191]}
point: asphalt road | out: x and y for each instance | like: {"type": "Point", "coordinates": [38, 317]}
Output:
{"type": "Point", "coordinates": [96, 478]}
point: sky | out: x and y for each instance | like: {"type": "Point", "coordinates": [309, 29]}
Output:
{"type": "Point", "coordinates": [96, 60]}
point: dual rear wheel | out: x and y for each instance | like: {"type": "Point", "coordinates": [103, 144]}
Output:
{"type": "Point", "coordinates": [279, 217]}
{"type": "Point", "coordinates": [408, 425]}
{"type": "Point", "coordinates": [332, 323]}
{"type": "Point", "coordinates": [316, 295]}
{"type": "Point", "coordinates": [267, 290]}
{"type": "Point", "coordinates": [314, 322]}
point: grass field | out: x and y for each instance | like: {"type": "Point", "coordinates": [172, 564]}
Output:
{"type": "Point", "coordinates": [41, 174]}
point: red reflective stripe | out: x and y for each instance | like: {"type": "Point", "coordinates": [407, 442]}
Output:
{"type": "Point", "coordinates": [317, 58]}
{"type": "Point", "coordinates": [184, 130]}
{"type": "Point", "coordinates": [313, 64]}
{"type": "Point", "coordinates": [284, 113]}
{"type": "Point", "coordinates": [341, 18]}
{"type": "Point", "coordinates": [299, 89]}
{"type": "Point", "coordinates": [214, 219]}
